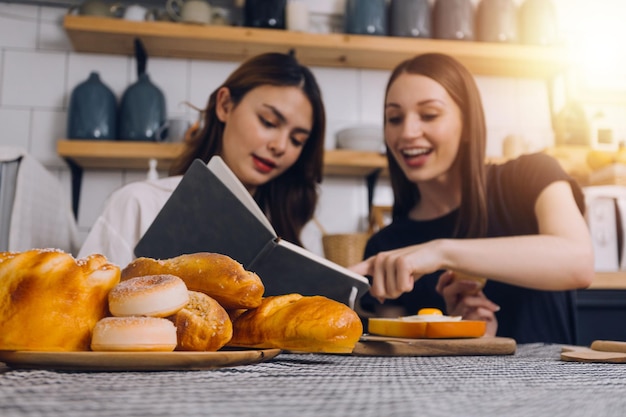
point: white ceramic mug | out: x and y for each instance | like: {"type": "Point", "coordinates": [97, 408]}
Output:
{"type": "Point", "coordinates": [189, 11]}
{"type": "Point", "coordinates": [173, 130]}
{"type": "Point", "coordinates": [136, 12]}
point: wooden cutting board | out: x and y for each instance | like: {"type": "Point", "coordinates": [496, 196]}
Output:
{"type": "Point", "coordinates": [370, 345]}
{"type": "Point", "coordinates": [601, 351]}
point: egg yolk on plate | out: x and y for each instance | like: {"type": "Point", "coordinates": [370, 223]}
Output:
{"type": "Point", "coordinates": [428, 323]}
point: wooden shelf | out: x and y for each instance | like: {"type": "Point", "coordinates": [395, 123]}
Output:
{"type": "Point", "coordinates": [224, 43]}
{"type": "Point", "coordinates": [96, 154]}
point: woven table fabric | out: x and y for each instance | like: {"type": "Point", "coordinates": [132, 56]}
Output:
{"type": "Point", "coordinates": [533, 382]}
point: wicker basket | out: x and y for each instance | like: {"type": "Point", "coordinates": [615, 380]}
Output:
{"type": "Point", "coordinates": [345, 249]}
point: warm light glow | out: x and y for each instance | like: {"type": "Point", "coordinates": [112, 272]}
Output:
{"type": "Point", "coordinates": [596, 38]}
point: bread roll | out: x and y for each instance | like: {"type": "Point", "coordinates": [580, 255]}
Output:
{"type": "Point", "coordinates": [216, 275]}
{"type": "Point", "coordinates": [50, 301]}
{"type": "Point", "coordinates": [294, 322]}
{"type": "Point", "coordinates": [202, 325]}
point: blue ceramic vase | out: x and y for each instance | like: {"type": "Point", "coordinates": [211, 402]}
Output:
{"type": "Point", "coordinates": [92, 112]}
{"type": "Point", "coordinates": [142, 111]}
{"type": "Point", "coordinates": [366, 17]}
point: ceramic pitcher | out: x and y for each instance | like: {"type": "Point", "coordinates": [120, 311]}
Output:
{"type": "Point", "coordinates": [496, 21]}
{"type": "Point", "coordinates": [538, 22]}
{"type": "Point", "coordinates": [189, 11]}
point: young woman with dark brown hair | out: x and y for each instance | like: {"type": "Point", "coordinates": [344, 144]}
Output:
{"type": "Point", "coordinates": [267, 121]}
{"type": "Point", "coordinates": [519, 224]}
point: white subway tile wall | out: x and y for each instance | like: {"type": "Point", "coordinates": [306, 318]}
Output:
{"type": "Point", "coordinates": [38, 71]}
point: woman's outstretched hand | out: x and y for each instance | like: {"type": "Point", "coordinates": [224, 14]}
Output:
{"type": "Point", "coordinates": [395, 272]}
{"type": "Point", "coordinates": [466, 299]}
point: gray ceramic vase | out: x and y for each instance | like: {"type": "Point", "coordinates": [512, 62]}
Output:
{"type": "Point", "coordinates": [410, 18]}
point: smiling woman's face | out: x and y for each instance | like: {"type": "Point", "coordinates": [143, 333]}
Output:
{"type": "Point", "coordinates": [423, 127]}
{"type": "Point", "coordinates": [265, 133]}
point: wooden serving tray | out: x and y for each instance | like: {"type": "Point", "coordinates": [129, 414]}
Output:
{"type": "Point", "coordinates": [371, 345]}
{"type": "Point", "coordinates": [134, 361]}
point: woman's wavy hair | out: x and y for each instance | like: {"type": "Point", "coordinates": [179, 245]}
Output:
{"type": "Point", "coordinates": [461, 86]}
{"type": "Point", "coordinates": [289, 200]}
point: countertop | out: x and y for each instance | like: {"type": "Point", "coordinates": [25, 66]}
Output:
{"type": "Point", "coordinates": [533, 382]}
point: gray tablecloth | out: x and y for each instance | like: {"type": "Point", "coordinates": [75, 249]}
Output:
{"type": "Point", "coordinates": [533, 382]}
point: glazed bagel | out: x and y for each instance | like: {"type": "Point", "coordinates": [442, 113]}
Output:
{"type": "Point", "coordinates": [134, 334]}
{"type": "Point", "coordinates": [149, 295]}
{"type": "Point", "coordinates": [202, 325]}
{"type": "Point", "coordinates": [219, 276]}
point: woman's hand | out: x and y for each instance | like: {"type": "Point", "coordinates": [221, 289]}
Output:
{"type": "Point", "coordinates": [395, 272]}
{"type": "Point", "coordinates": [466, 299]}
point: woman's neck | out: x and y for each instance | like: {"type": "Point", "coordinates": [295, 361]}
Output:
{"type": "Point", "coordinates": [437, 198]}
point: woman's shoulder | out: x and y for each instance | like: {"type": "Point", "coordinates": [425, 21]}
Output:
{"type": "Point", "coordinates": [536, 160]}
{"type": "Point", "coordinates": [528, 168]}
{"type": "Point", "coordinates": [144, 192]}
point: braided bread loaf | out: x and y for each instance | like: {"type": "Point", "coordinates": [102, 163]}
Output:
{"type": "Point", "coordinates": [51, 301]}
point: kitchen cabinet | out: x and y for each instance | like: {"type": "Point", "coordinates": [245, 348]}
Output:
{"type": "Point", "coordinates": [601, 309]}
